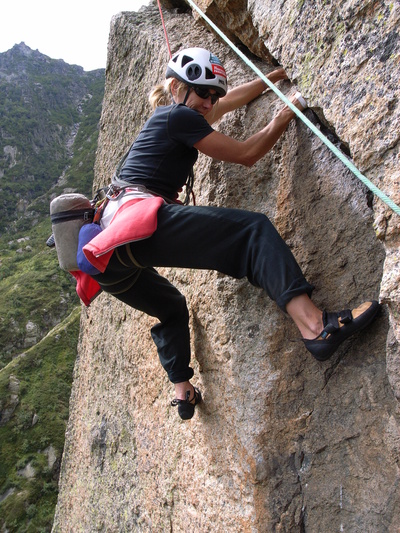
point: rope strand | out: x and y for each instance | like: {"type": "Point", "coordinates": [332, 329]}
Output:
{"type": "Point", "coordinates": [165, 29]}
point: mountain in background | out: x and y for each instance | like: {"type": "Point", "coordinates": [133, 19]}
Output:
{"type": "Point", "coordinates": [49, 116]}
{"type": "Point", "coordinates": [49, 112]}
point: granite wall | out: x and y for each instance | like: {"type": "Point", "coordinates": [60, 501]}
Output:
{"type": "Point", "coordinates": [282, 443]}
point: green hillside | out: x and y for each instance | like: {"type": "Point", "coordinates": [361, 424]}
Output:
{"type": "Point", "coordinates": [49, 116]}
{"type": "Point", "coordinates": [32, 439]}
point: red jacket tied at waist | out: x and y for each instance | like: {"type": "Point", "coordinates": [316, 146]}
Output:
{"type": "Point", "coordinates": [135, 220]}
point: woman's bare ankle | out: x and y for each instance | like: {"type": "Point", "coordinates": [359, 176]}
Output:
{"type": "Point", "coordinates": [311, 331]}
{"type": "Point", "coordinates": [306, 316]}
{"type": "Point", "coordinates": [182, 388]}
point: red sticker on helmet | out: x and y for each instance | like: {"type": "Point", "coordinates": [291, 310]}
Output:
{"type": "Point", "coordinates": [218, 70]}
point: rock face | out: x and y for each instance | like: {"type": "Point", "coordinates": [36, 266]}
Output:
{"type": "Point", "coordinates": [281, 443]}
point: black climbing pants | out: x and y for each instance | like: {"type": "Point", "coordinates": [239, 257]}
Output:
{"type": "Point", "coordinates": [231, 241]}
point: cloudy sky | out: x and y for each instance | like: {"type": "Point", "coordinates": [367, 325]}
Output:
{"type": "Point", "coordinates": [75, 31]}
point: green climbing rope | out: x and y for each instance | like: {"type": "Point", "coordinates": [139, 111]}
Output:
{"type": "Point", "coordinates": [373, 188]}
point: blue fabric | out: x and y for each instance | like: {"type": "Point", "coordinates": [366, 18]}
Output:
{"type": "Point", "coordinates": [86, 234]}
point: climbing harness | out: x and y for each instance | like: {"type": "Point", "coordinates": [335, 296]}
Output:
{"type": "Point", "coordinates": [373, 188]}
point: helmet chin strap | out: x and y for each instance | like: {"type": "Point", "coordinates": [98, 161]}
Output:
{"type": "Point", "coordinates": [186, 96]}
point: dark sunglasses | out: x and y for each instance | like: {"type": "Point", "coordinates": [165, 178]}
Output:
{"type": "Point", "coordinates": [205, 93]}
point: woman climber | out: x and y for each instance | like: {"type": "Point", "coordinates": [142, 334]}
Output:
{"type": "Point", "coordinates": [234, 242]}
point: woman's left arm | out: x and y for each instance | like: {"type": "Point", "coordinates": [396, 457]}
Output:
{"type": "Point", "coordinates": [242, 95]}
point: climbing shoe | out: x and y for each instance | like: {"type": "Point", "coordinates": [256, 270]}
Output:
{"type": "Point", "coordinates": [186, 406]}
{"type": "Point", "coordinates": [338, 327]}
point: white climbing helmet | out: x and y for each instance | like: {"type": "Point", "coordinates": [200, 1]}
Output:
{"type": "Point", "coordinates": [198, 67]}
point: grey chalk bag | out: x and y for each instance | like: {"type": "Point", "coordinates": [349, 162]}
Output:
{"type": "Point", "coordinates": [68, 213]}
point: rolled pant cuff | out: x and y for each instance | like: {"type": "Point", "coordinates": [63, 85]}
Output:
{"type": "Point", "coordinates": [298, 287]}
{"type": "Point", "coordinates": [181, 376]}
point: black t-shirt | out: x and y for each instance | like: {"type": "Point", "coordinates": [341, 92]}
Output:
{"type": "Point", "coordinates": [162, 155]}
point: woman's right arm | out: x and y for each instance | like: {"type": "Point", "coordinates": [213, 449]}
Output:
{"type": "Point", "coordinates": [224, 148]}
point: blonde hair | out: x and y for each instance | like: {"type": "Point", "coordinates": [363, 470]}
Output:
{"type": "Point", "coordinates": [162, 94]}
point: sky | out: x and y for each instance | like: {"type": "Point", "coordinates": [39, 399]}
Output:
{"type": "Point", "coordinates": [74, 30]}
